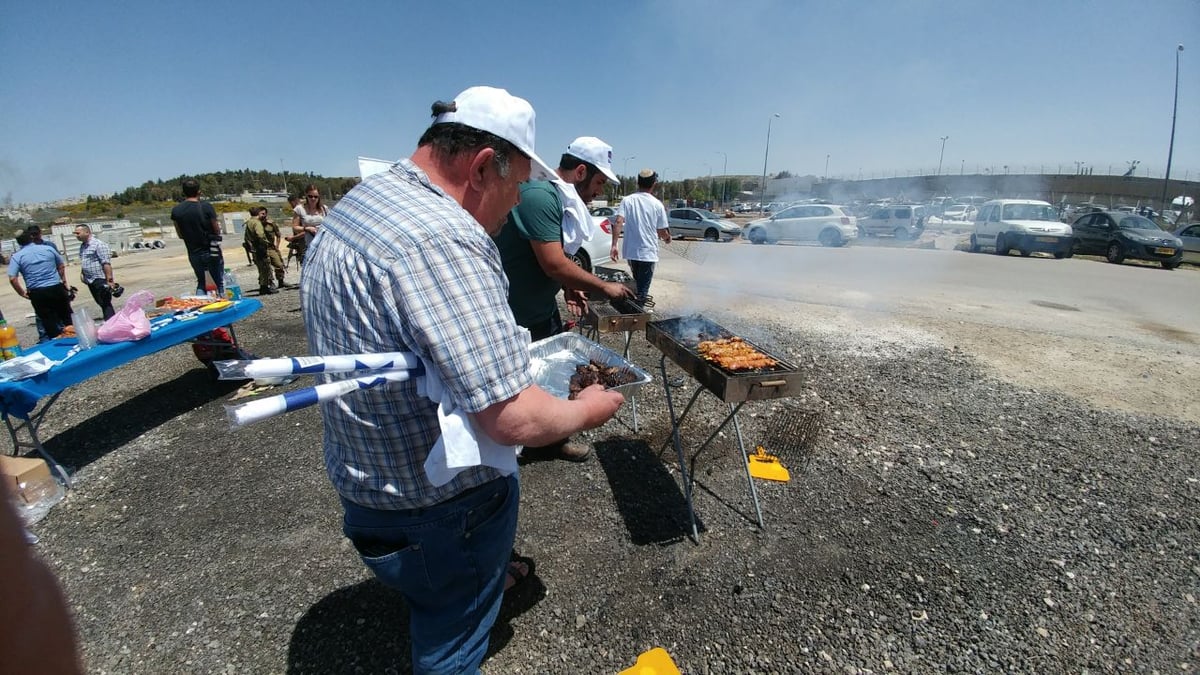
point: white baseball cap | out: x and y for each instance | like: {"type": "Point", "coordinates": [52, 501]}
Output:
{"type": "Point", "coordinates": [498, 112]}
{"type": "Point", "coordinates": [595, 152]}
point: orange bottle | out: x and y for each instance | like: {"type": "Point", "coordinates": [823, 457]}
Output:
{"type": "Point", "coordinates": [10, 345]}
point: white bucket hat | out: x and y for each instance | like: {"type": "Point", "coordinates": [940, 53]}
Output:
{"type": "Point", "coordinates": [595, 152]}
{"type": "Point", "coordinates": [500, 113]}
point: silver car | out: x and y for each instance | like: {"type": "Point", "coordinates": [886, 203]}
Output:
{"type": "Point", "coordinates": [689, 222]}
{"type": "Point", "coordinates": [1190, 236]}
{"type": "Point", "coordinates": [826, 224]}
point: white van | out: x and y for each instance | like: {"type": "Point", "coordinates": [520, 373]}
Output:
{"type": "Point", "coordinates": [902, 221]}
{"type": "Point", "coordinates": [1026, 225]}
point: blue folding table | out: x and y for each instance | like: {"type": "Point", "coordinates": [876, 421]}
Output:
{"type": "Point", "coordinates": [20, 399]}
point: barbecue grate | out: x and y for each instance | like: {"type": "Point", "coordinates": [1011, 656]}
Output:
{"type": "Point", "coordinates": [678, 338]}
{"type": "Point", "coordinates": [794, 435]}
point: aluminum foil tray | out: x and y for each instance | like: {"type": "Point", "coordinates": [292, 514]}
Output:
{"type": "Point", "coordinates": [552, 363]}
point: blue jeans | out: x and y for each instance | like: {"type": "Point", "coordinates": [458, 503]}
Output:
{"type": "Point", "coordinates": [205, 261]}
{"type": "Point", "coordinates": [449, 561]}
{"type": "Point", "coordinates": [643, 273]}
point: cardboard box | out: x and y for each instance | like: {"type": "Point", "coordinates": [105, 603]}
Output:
{"type": "Point", "coordinates": [27, 477]}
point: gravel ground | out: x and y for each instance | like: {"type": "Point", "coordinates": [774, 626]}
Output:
{"type": "Point", "coordinates": [947, 519]}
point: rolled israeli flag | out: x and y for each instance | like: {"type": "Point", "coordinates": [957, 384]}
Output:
{"type": "Point", "coordinates": [256, 411]}
{"type": "Point", "coordinates": [314, 365]}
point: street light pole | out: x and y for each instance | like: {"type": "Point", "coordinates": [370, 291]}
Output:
{"type": "Point", "coordinates": [826, 176]}
{"type": "Point", "coordinates": [762, 191]}
{"type": "Point", "coordinates": [724, 179]}
{"type": "Point", "coordinates": [625, 170]}
{"type": "Point", "coordinates": [942, 154]}
{"type": "Point", "coordinates": [1171, 147]}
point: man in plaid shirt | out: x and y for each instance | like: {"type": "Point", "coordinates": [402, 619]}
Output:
{"type": "Point", "coordinates": [405, 262]}
{"type": "Point", "coordinates": [95, 257]}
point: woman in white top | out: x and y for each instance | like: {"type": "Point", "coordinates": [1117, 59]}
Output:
{"type": "Point", "coordinates": [309, 214]}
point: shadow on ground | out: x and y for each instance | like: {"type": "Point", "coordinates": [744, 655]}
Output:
{"type": "Point", "coordinates": [364, 629]}
{"type": "Point", "coordinates": [648, 497]}
{"type": "Point", "coordinates": [92, 438]}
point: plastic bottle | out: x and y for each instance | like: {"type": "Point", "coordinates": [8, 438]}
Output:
{"type": "Point", "coordinates": [10, 345]}
{"type": "Point", "coordinates": [210, 284]}
{"type": "Point", "coordinates": [233, 290]}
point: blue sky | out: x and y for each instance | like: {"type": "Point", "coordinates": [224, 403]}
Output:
{"type": "Point", "coordinates": [101, 96]}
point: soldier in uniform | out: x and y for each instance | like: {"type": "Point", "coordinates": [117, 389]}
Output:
{"type": "Point", "coordinates": [262, 234]}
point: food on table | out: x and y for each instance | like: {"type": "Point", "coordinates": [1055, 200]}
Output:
{"type": "Point", "coordinates": [734, 354]}
{"type": "Point", "coordinates": [184, 303]}
{"type": "Point", "coordinates": [67, 332]}
{"type": "Point", "coordinates": [595, 372]}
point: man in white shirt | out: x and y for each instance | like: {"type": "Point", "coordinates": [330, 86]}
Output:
{"type": "Point", "coordinates": [646, 218]}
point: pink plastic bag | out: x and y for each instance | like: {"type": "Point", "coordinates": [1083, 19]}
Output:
{"type": "Point", "coordinates": [131, 323]}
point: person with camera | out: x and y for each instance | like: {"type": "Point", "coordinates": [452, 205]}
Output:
{"type": "Point", "coordinates": [95, 259]}
{"type": "Point", "coordinates": [45, 273]}
{"type": "Point", "coordinates": [196, 224]}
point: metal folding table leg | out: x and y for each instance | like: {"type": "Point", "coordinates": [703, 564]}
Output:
{"type": "Point", "coordinates": [34, 443]}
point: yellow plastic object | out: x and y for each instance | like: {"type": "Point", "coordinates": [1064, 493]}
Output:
{"type": "Point", "coordinates": [654, 662]}
{"type": "Point", "coordinates": [218, 306]}
{"type": "Point", "coordinates": [768, 467]}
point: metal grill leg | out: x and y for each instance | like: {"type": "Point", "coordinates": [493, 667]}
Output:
{"type": "Point", "coordinates": [737, 428]}
{"type": "Point", "coordinates": [683, 472]}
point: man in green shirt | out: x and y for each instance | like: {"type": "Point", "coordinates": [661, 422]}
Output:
{"type": "Point", "coordinates": [549, 225]}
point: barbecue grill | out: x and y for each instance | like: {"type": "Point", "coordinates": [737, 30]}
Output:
{"type": "Point", "coordinates": [678, 339]}
{"type": "Point", "coordinates": [615, 316]}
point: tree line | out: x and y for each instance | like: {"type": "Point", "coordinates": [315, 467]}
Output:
{"type": "Point", "coordinates": [232, 183]}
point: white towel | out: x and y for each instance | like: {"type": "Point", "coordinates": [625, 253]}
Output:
{"type": "Point", "coordinates": [577, 224]}
{"type": "Point", "coordinates": [461, 445]}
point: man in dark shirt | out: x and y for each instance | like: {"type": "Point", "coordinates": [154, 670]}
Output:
{"type": "Point", "coordinates": [196, 224]}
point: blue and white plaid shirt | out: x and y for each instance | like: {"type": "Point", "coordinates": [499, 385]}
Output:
{"type": "Point", "coordinates": [399, 266]}
{"type": "Point", "coordinates": [93, 256]}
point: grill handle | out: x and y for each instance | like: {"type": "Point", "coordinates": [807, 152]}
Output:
{"type": "Point", "coordinates": [772, 383]}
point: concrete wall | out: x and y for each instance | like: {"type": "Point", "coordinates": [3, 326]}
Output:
{"type": "Point", "coordinates": [1054, 188]}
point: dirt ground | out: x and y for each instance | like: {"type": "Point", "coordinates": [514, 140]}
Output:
{"type": "Point", "coordinates": [968, 511]}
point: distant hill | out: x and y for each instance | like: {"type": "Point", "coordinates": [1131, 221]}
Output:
{"type": "Point", "coordinates": [233, 183]}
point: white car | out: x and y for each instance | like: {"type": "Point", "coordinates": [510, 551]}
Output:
{"type": "Point", "coordinates": [960, 212]}
{"type": "Point", "coordinates": [1027, 225]}
{"type": "Point", "coordinates": [596, 251]}
{"type": "Point", "coordinates": [827, 224]}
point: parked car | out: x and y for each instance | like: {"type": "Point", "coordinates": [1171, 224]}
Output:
{"type": "Point", "coordinates": [1118, 236]}
{"type": "Point", "coordinates": [960, 212]}
{"type": "Point", "coordinates": [691, 222]}
{"type": "Point", "coordinates": [902, 221]}
{"type": "Point", "coordinates": [828, 224]}
{"type": "Point", "coordinates": [603, 211]}
{"type": "Point", "coordinates": [1027, 225]}
{"type": "Point", "coordinates": [1190, 236]}
{"type": "Point", "coordinates": [596, 250]}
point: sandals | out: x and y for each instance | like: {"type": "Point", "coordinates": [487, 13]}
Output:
{"type": "Point", "coordinates": [518, 573]}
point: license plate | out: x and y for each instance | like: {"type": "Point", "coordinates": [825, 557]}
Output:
{"type": "Point", "coordinates": [1162, 250]}
{"type": "Point", "coordinates": [1047, 240]}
